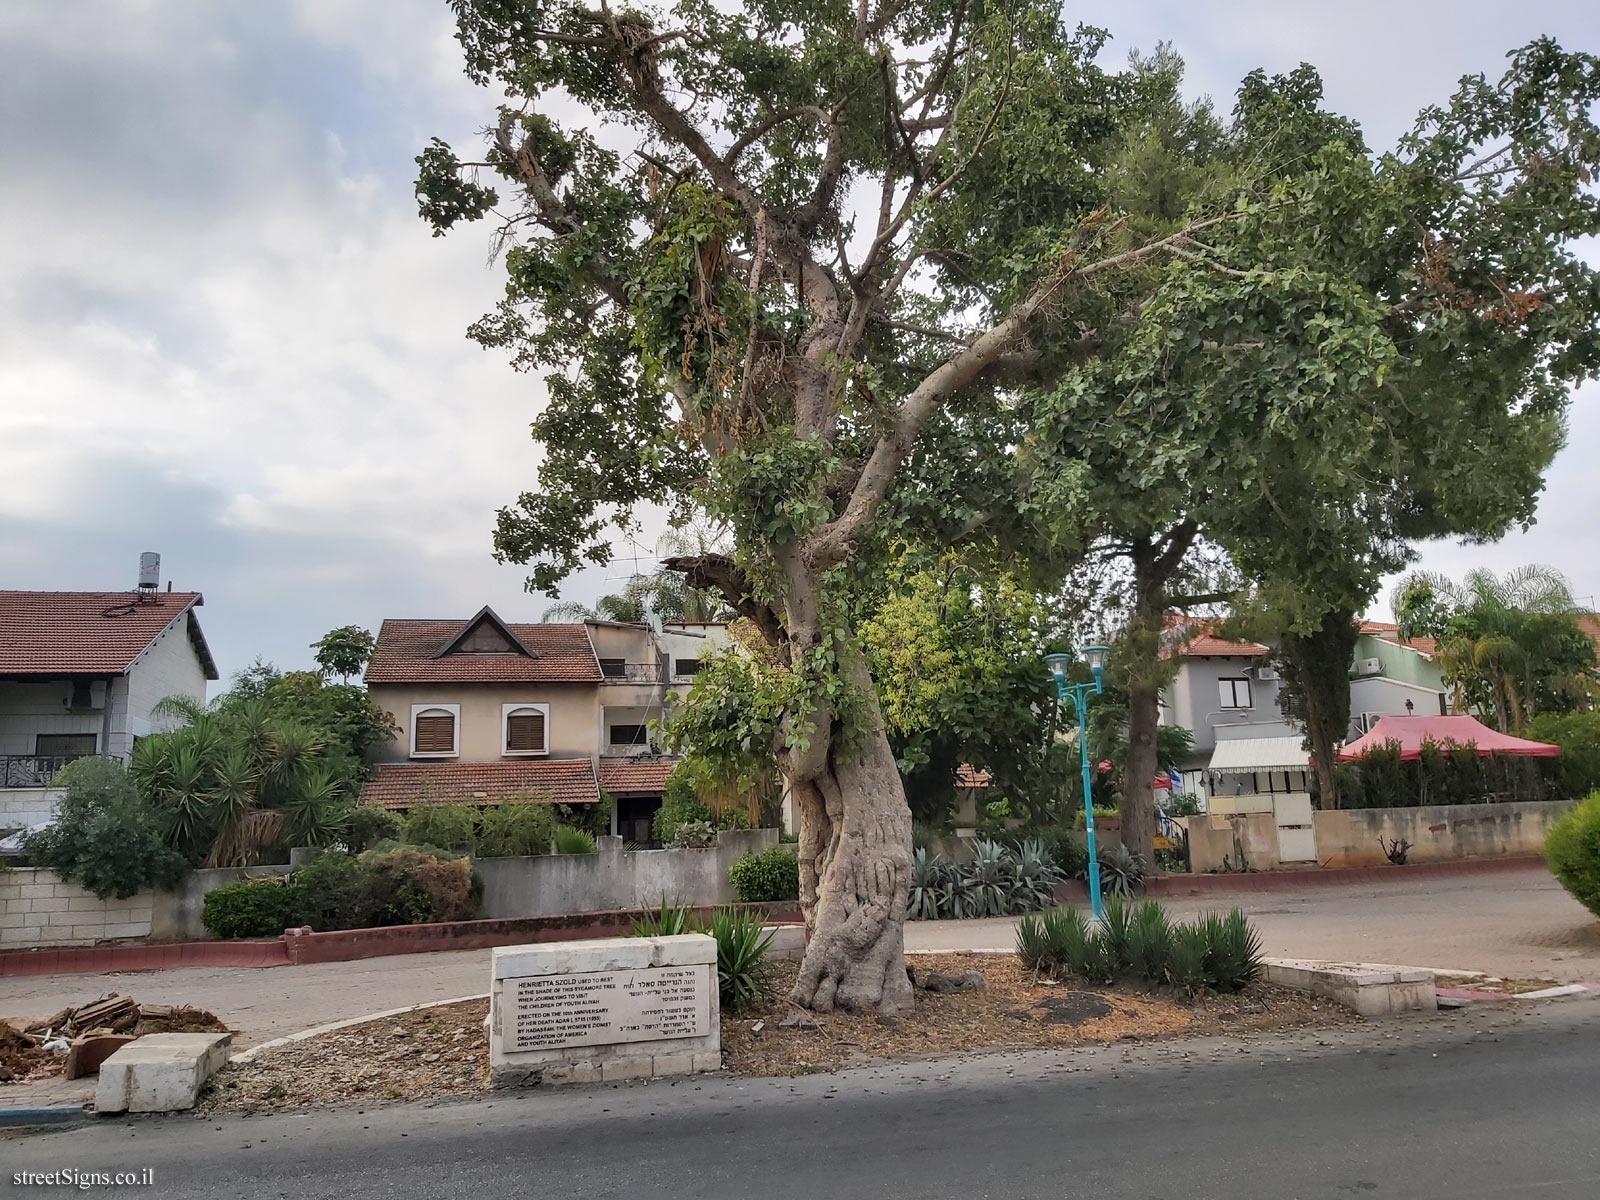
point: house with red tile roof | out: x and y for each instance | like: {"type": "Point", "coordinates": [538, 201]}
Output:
{"type": "Point", "coordinates": [492, 712]}
{"type": "Point", "coordinates": [81, 674]}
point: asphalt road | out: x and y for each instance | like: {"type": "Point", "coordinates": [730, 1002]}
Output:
{"type": "Point", "coordinates": [1469, 1105]}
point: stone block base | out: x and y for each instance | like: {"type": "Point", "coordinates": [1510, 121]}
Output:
{"type": "Point", "coordinates": [160, 1073]}
{"type": "Point", "coordinates": [606, 1070]}
{"type": "Point", "coordinates": [1371, 989]}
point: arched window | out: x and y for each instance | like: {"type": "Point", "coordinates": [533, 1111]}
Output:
{"type": "Point", "coordinates": [526, 728]}
{"type": "Point", "coordinates": [435, 730]}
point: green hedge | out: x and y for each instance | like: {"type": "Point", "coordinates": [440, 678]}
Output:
{"type": "Point", "coordinates": [388, 885]}
{"type": "Point", "coordinates": [1443, 775]}
{"type": "Point", "coordinates": [1572, 849]}
{"type": "Point", "coordinates": [1577, 772]}
{"type": "Point", "coordinates": [773, 874]}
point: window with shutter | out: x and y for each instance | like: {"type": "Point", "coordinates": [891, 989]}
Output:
{"type": "Point", "coordinates": [525, 731]}
{"type": "Point", "coordinates": [433, 732]}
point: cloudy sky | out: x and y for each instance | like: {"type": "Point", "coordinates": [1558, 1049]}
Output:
{"type": "Point", "coordinates": [225, 335]}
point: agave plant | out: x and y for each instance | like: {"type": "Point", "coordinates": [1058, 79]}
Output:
{"type": "Point", "coordinates": [1186, 959]}
{"type": "Point", "coordinates": [1233, 951]}
{"type": "Point", "coordinates": [1121, 871]}
{"type": "Point", "coordinates": [930, 886]}
{"type": "Point", "coordinates": [1116, 919]}
{"type": "Point", "coordinates": [742, 942]}
{"type": "Point", "coordinates": [1036, 878]}
{"type": "Point", "coordinates": [991, 878]}
{"type": "Point", "coordinates": [666, 920]}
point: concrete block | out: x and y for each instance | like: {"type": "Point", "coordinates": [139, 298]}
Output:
{"type": "Point", "coordinates": [708, 1061]}
{"type": "Point", "coordinates": [1371, 989]}
{"type": "Point", "coordinates": [571, 958]}
{"type": "Point", "coordinates": [13, 920]}
{"type": "Point", "coordinates": [128, 929]}
{"type": "Point", "coordinates": [684, 949]}
{"type": "Point", "coordinates": [574, 1072]}
{"type": "Point", "coordinates": [615, 1069]}
{"type": "Point", "coordinates": [30, 891]}
{"type": "Point", "coordinates": [46, 904]}
{"type": "Point", "coordinates": [90, 933]}
{"type": "Point", "coordinates": [83, 903]}
{"type": "Point", "coordinates": [61, 918]}
{"type": "Point", "coordinates": [160, 1073]}
{"type": "Point", "coordinates": [788, 942]}
{"type": "Point", "coordinates": [672, 1064]}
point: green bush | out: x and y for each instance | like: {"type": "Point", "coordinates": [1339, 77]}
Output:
{"type": "Point", "coordinates": [453, 826]}
{"type": "Point", "coordinates": [1572, 850]}
{"type": "Point", "coordinates": [573, 841]}
{"type": "Point", "coordinates": [742, 943]}
{"type": "Point", "coordinates": [514, 830]}
{"type": "Point", "coordinates": [397, 885]}
{"type": "Point", "coordinates": [1576, 772]}
{"type": "Point", "coordinates": [773, 874]}
{"type": "Point", "coordinates": [104, 838]}
{"type": "Point", "coordinates": [679, 805]}
{"type": "Point", "coordinates": [250, 908]}
{"type": "Point", "coordinates": [366, 826]}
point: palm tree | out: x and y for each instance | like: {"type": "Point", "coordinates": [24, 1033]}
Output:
{"type": "Point", "coordinates": [1497, 635]}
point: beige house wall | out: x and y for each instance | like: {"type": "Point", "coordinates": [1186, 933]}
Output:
{"type": "Point", "coordinates": [574, 727]}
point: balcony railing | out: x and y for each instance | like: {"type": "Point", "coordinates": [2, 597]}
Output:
{"type": "Point", "coordinates": [615, 672]}
{"type": "Point", "coordinates": [32, 770]}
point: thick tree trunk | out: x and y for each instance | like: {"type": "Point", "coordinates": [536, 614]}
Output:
{"type": "Point", "coordinates": [855, 876]}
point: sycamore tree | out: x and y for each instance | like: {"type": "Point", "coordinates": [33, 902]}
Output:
{"type": "Point", "coordinates": [801, 265]}
{"type": "Point", "coordinates": [1369, 348]}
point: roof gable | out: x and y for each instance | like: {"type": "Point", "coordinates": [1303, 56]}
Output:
{"type": "Point", "coordinates": [486, 633]}
{"type": "Point", "coordinates": [414, 651]}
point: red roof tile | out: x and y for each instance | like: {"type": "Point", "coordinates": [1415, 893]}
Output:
{"type": "Point", "coordinates": [624, 776]}
{"type": "Point", "coordinates": [91, 633]}
{"type": "Point", "coordinates": [1387, 631]}
{"type": "Point", "coordinates": [1192, 637]}
{"type": "Point", "coordinates": [546, 781]}
{"type": "Point", "coordinates": [968, 776]}
{"type": "Point", "coordinates": [406, 650]}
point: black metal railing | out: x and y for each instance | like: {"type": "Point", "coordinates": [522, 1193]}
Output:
{"type": "Point", "coordinates": [32, 770]}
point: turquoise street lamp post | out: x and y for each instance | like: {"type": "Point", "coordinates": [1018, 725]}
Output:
{"type": "Point", "coordinates": [1095, 658]}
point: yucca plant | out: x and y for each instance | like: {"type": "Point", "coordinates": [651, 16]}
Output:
{"type": "Point", "coordinates": [667, 919]}
{"type": "Point", "coordinates": [1071, 942]}
{"type": "Point", "coordinates": [742, 942]}
{"type": "Point", "coordinates": [1149, 942]}
{"type": "Point", "coordinates": [1033, 945]}
{"type": "Point", "coordinates": [1115, 919]}
{"type": "Point", "coordinates": [1186, 959]}
{"type": "Point", "coordinates": [573, 841]}
{"type": "Point", "coordinates": [1233, 951]}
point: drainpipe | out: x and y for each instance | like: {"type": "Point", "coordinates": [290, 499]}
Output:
{"type": "Point", "coordinates": [105, 717]}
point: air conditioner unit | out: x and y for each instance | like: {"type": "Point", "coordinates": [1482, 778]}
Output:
{"type": "Point", "coordinates": [1266, 673]}
{"type": "Point", "coordinates": [1369, 666]}
{"type": "Point", "coordinates": [1368, 720]}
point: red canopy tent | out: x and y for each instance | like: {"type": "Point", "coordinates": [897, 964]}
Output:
{"type": "Point", "coordinates": [1413, 732]}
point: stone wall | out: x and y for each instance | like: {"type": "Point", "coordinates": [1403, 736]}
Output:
{"type": "Point", "coordinates": [37, 909]}
{"type": "Point", "coordinates": [176, 915]}
{"type": "Point", "coordinates": [613, 878]}
{"type": "Point", "coordinates": [21, 808]}
{"type": "Point", "coordinates": [1349, 837]}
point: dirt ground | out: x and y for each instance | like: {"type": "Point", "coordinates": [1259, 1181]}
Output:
{"type": "Point", "coordinates": [442, 1051]}
{"type": "Point", "coordinates": [23, 1058]}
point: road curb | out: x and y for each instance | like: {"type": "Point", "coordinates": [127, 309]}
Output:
{"type": "Point", "coordinates": [48, 1115]}
{"type": "Point", "coordinates": [245, 1056]}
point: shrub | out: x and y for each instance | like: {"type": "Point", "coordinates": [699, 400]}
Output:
{"type": "Point", "coordinates": [679, 805]}
{"type": "Point", "coordinates": [573, 841]}
{"type": "Point", "coordinates": [366, 826]}
{"type": "Point", "coordinates": [1576, 772]}
{"type": "Point", "coordinates": [931, 878]}
{"type": "Point", "coordinates": [1149, 942]}
{"type": "Point", "coordinates": [694, 835]}
{"type": "Point", "coordinates": [1233, 951]}
{"type": "Point", "coordinates": [411, 885]}
{"type": "Point", "coordinates": [516, 830]}
{"type": "Point", "coordinates": [453, 826]}
{"type": "Point", "coordinates": [250, 908]}
{"type": "Point", "coordinates": [773, 874]}
{"type": "Point", "coordinates": [330, 892]}
{"type": "Point", "coordinates": [104, 838]}
{"type": "Point", "coordinates": [1055, 943]}
{"type": "Point", "coordinates": [1572, 850]}
{"type": "Point", "coordinates": [742, 942]}
{"type": "Point", "coordinates": [1186, 959]}
{"type": "Point", "coordinates": [1116, 922]}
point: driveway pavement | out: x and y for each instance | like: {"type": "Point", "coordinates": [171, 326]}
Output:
{"type": "Point", "coordinates": [1517, 923]}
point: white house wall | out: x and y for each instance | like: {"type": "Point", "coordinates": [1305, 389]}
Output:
{"type": "Point", "coordinates": [1193, 701]}
{"type": "Point", "coordinates": [29, 709]}
{"type": "Point", "coordinates": [168, 667]}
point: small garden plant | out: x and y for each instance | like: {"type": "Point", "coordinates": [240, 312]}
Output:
{"type": "Point", "coordinates": [771, 875]}
{"type": "Point", "coordinates": [1217, 952]}
{"type": "Point", "coordinates": [742, 944]}
{"type": "Point", "coordinates": [997, 882]}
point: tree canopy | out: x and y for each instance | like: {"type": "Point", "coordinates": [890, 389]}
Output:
{"type": "Point", "coordinates": [847, 274]}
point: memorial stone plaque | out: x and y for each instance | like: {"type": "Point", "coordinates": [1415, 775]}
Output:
{"type": "Point", "coordinates": [602, 1008]}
